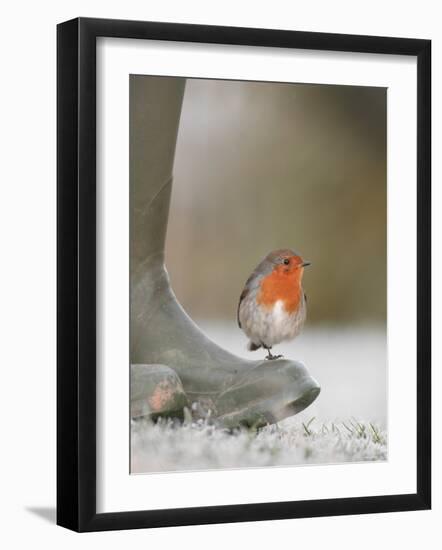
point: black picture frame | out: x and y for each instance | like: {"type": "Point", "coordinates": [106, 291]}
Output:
{"type": "Point", "coordinates": [76, 274]}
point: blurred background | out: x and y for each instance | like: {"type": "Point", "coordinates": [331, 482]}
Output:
{"type": "Point", "coordinates": [261, 166]}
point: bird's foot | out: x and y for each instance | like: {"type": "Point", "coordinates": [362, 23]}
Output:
{"type": "Point", "coordinates": [271, 357]}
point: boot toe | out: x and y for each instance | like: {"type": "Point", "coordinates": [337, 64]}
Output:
{"type": "Point", "coordinates": [156, 390]}
{"type": "Point", "coordinates": [268, 393]}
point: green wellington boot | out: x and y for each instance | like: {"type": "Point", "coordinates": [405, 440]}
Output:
{"type": "Point", "coordinates": [173, 363]}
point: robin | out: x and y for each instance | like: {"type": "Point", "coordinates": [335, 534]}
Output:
{"type": "Point", "coordinates": [273, 306]}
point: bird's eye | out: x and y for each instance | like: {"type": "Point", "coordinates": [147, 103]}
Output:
{"type": "Point", "coordinates": [286, 261]}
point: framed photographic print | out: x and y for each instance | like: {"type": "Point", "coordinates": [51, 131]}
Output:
{"type": "Point", "coordinates": [243, 274]}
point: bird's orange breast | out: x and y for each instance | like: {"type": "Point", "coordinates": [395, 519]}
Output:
{"type": "Point", "coordinates": [283, 286]}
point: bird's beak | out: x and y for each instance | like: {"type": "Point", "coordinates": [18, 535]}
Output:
{"type": "Point", "coordinates": [305, 264]}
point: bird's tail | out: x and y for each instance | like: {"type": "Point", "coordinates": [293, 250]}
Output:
{"type": "Point", "coordinates": [252, 346]}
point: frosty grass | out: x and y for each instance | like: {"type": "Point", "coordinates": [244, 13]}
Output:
{"type": "Point", "coordinates": [168, 446]}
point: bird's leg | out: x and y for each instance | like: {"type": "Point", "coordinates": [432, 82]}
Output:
{"type": "Point", "coordinates": [270, 355]}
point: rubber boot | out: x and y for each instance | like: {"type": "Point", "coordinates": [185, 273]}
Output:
{"type": "Point", "coordinates": [155, 391]}
{"type": "Point", "coordinates": [235, 391]}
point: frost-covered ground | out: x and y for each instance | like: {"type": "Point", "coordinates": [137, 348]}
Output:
{"type": "Point", "coordinates": [165, 447]}
{"type": "Point", "coordinates": [346, 423]}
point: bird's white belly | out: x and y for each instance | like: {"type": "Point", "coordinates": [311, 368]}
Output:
{"type": "Point", "coordinates": [270, 326]}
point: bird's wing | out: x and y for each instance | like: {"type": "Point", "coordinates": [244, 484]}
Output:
{"type": "Point", "coordinates": [252, 284]}
{"type": "Point", "coordinates": [241, 298]}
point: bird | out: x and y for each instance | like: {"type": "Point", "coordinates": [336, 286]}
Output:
{"type": "Point", "coordinates": [272, 307]}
